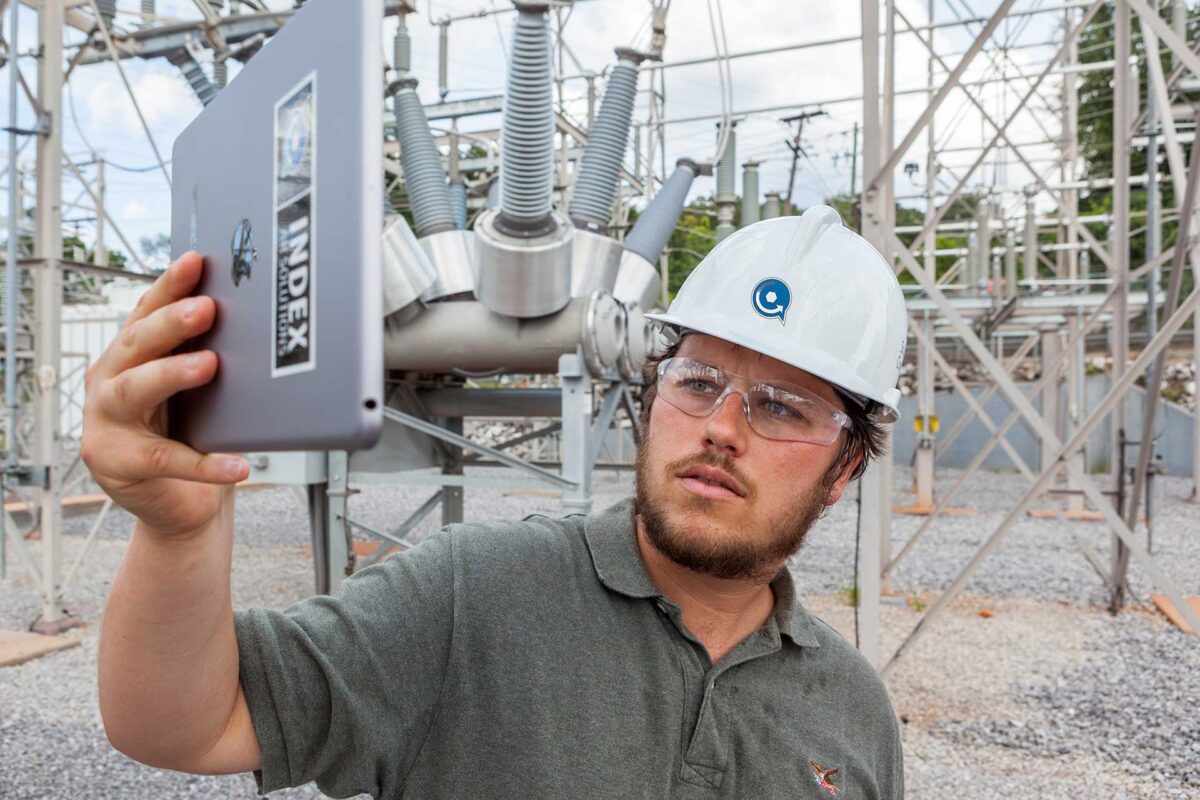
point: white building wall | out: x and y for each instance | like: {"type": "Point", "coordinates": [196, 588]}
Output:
{"type": "Point", "coordinates": [87, 330]}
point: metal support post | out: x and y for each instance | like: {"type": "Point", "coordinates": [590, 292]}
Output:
{"type": "Point", "coordinates": [577, 456]}
{"type": "Point", "coordinates": [1030, 271]}
{"type": "Point", "coordinates": [1010, 264]}
{"type": "Point", "coordinates": [983, 240]}
{"type": "Point", "coordinates": [867, 569]}
{"type": "Point", "coordinates": [11, 281]}
{"type": "Point", "coordinates": [1119, 255]}
{"type": "Point", "coordinates": [100, 252]}
{"type": "Point", "coordinates": [1076, 407]}
{"type": "Point", "coordinates": [925, 454]}
{"type": "Point", "coordinates": [1070, 147]}
{"type": "Point", "coordinates": [1155, 375]}
{"type": "Point", "coordinates": [1195, 498]}
{"type": "Point", "coordinates": [337, 552]}
{"type": "Point", "coordinates": [318, 534]}
{"type": "Point", "coordinates": [875, 491]}
{"type": "Point", "coordinates": [452, 496]}
{"type": "Point", "coordinates": [1051, 356]}
{"type": "Point", "coordinates": [48, 288]}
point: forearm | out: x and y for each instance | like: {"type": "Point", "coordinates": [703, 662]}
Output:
{"type": "Point", "coordinates": [168, 659]}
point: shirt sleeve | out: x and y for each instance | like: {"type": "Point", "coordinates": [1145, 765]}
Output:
{"type": "Point", "coordinates": [343, 689]}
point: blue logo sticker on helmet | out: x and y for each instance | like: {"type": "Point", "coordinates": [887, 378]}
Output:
{"type": "Point", "coordinates": [772, 298]}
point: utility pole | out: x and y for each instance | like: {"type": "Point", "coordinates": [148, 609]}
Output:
{"type": "Point", "coordinates": [797, 151]}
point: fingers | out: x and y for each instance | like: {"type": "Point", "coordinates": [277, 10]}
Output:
{"type": "Point", "coordinates": [135, 344]}
{"type": "Point", "coordinates": [156, 335]}
{"type": "Point", "coordinates": [176, 282]}
{"type": "Point", "coordinates": [134, 395]}
{"type": "Point", "coordinates": [149, 457]}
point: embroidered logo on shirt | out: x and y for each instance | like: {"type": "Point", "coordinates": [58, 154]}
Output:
{"type": "Point", "coordinates": [824, 777]}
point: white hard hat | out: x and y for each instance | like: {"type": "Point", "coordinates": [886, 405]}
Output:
{"type": "Point", "coordinates": [809, 292]}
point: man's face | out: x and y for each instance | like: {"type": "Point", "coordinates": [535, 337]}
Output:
{"type": "Point", "coordinates": [783, 486]}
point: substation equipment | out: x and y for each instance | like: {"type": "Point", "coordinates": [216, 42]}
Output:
{"type": "Point", "coordinates": [517, 264]}
{"type": "Point", "coordinates": [530, 270]}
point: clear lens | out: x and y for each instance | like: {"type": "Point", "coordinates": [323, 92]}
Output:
{"type": "Point", "coordinates": [781, 411]}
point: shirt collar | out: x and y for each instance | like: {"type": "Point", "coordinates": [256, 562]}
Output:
{"type": "Point", "coordinates": [613, 544]}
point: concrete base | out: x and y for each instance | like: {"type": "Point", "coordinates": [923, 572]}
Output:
{"type": "Point", "coordinates": [61, 625]}
{"type": "Point", "coordinates": [17, 647]}
{"type": "Point", "coordinates": [1075, 516]}
{"type": "Point", "coordinates": [925, 510]}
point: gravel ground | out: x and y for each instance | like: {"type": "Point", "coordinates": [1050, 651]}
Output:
{"type": "Point", "coordinates": [1025, 685]}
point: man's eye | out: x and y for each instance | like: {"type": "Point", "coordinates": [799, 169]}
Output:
{"type": "Point", "coordinates": [782, 410]}
{"type": "Point", "coordinates": [699, 385]}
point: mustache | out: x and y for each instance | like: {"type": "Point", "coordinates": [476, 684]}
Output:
{"type": "Point", "coordinates": [710, 459]}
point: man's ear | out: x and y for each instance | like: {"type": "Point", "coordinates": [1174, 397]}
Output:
{"type": "Point", "coordinates": [835, 491]}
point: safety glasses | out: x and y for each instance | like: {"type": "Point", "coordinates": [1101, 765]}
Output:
{"type": "Point", "coordinates": [781, 411]}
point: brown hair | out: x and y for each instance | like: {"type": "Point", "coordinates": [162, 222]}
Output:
{"type": "Point", "coordinates": [863, 440]}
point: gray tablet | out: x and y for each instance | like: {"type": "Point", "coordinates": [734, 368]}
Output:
{"type": "Point", "coordinates": [277, 184]}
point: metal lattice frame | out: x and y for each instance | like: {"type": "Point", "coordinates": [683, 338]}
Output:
{"type": "Point", "coordinates": [917, 259]}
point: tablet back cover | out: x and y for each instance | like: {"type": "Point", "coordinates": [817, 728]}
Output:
{"type": "Point", "coordinates": [277, 184]}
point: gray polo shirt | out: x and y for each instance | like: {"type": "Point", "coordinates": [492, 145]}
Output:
{"type": "Point", "coordinates": [537, 659]}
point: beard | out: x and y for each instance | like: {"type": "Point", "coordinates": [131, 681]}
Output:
{"type": "Point", "coordinates": [754, 555]}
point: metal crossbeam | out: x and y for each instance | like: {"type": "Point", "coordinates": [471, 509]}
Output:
{"type": "Point", "coordinates": [951, 83]}
{"type": "Point", "coordinates": [977, 410]}
{"type": "Point", "coordinates": [604, 417]}
{"type": "Point", "coordinates": [1088, 554]}
{"type": "Point", "coordinates": [1013, 362]}
{"type": "Point", "coordinates": [1063, 451]}
{"type": "Point", "coordinates": [438, 432]}
{"type": "Point", "coordinates": [1178, 47]}
{"type": "Point", "coordinates": [931, 224]}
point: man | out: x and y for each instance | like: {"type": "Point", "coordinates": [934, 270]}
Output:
{"type": "Point", "coordinates": [655, 649]}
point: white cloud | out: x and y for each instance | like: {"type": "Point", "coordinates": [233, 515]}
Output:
{"type": "Point", "coordinates": [163, 95]}
{"type": "Point", "coordinates": [136, 210]}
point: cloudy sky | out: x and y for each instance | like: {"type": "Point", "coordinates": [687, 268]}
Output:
{"type": "Point", "coordinates": [99, 116]}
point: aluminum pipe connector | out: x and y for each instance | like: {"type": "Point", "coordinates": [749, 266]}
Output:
{"type": "Point", "coordinates": [641, 336]}
{"type": "Point", "coordinates": [466, 338]}
{"type": "Point", "coordinates": [595, 260]}
{"type": "Point", "coordinates": [523, 276]}
{"type": "Point", "coordinates": [638, 282]}
{"type": "Point", "coordinates": [453, 257]}
{"type": "Point", "coordinates": [407, 271]}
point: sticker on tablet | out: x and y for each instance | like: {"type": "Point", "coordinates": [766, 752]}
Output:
{"type": "Point", "coordinates": [293, 298]}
